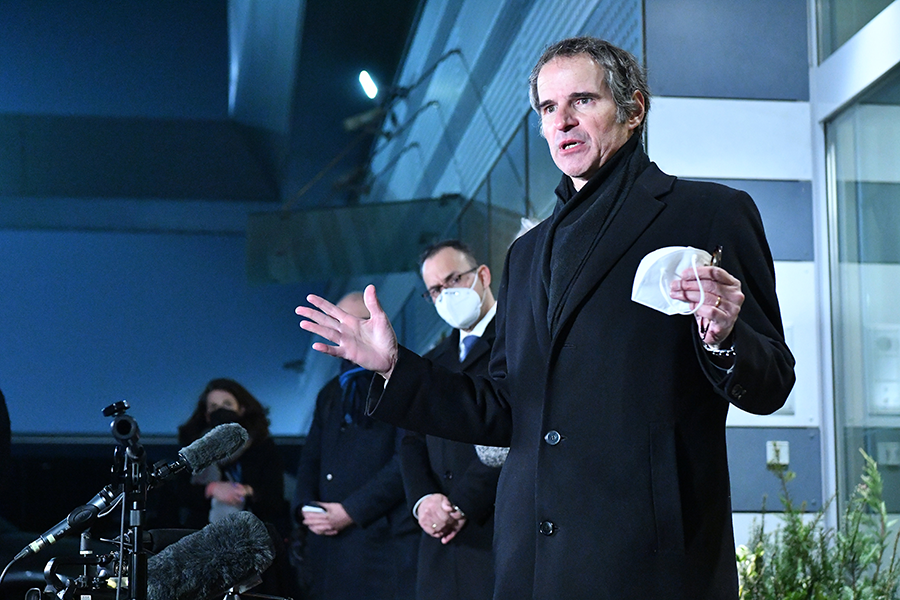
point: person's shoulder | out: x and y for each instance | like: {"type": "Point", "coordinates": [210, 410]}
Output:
{"type": "Point", "coordinates": [527, 240]}
{"type": "Point", "coordinates": [334, 381]}
{"type": "Point", "coordinates": [704, 186]}
{"type": "Point", "coordinates": [703, 191]}
{"type": "Point", "coordinates": [329, 388]}
{"type": "Point", "coordinates": [450, 342]}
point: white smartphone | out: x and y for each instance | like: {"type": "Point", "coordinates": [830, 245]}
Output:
{"type": "Point", "coordinates": [312, 508]}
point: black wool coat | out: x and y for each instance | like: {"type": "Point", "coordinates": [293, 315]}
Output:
{"type": "Point", "coordinates": [357, 465]}
{"type": "Point", "coordinates": [616, 485]}
{"type": "Point", "coordinates": [463, 569]}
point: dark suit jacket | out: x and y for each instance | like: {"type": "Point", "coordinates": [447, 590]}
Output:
{"type": "Point", "coordinates": [464, 568]}
{"type": "Point", "coordinates": [616, 484]}
{"type": "Point", "coordinates": [357, 465]}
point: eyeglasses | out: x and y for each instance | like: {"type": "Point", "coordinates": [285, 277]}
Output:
{"type": "Point", "coordinates": [452, 281]}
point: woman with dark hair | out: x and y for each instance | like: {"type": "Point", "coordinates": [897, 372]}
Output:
{"type": "Point", "coordinates": [252, 479]}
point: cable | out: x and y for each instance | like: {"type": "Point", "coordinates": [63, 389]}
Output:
{"type": "Point", "coordinates": [5, 569]}
{"type": "Point", "coordinates": [112, 506]}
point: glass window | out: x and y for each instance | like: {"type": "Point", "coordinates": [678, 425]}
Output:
{"type": "Point", "coordinates": [839, 20]}
{"type": "Point", "coordinates": [863, 174]}
{"type": "Point", "coordinates": [543, 176]}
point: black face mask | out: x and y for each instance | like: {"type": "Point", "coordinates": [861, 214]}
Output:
{"type": "Point", "coordinates": [223, 415]}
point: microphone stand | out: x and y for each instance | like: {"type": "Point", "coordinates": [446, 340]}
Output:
{"type": "Point", "coordinates": [135, 485]}
{"type": "Point", "coordinates": [131, 475]}
{"type": "Point", "coordinates": [136, 501]}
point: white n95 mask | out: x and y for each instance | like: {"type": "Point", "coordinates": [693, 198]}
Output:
{"type": "Point", "coordinates": [659, 269]}
{"type": "Point", "coordinates": [459, 307]}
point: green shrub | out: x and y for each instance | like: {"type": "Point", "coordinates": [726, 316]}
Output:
{"type": "Point", "coordinates": [802, 559]}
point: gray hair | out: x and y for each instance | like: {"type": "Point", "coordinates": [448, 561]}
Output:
{"type": "Point", "coordinates": [624, 74]}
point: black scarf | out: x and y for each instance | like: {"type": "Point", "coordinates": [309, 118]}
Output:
{"type": "Point", "coordinates": [580, 219]}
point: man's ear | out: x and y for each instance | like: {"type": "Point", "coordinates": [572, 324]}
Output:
{"type": "Point", "coordinates": [637, 116]}
{"type": "Point", "coordinates": [485, 275]}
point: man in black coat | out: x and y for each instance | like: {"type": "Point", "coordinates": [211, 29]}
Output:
{"type": "Point", "coordinates": [616, 484]}
{"type": "Point", "coordinates": [361, 540]}
{"type": "Point", "coordinates": [450, 490]}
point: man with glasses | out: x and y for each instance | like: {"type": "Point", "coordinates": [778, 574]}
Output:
{"type": "Point", "coordinates": [451, 492]}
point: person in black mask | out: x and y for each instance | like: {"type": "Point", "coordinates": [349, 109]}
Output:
{"type": "Point", "coordinates": [252, 479]}
{"type": "Point", "coordinates": [360, 538]}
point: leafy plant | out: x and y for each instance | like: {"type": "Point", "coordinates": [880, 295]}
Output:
{"type": "Point", "coordinates": [802, 559]}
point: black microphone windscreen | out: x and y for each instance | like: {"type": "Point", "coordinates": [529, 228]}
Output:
{"type": "Point", "coordinates": [156, 540]}
{"type": "Point", "coordinates": [221, 442]}
{"type": "Point", "coordinates": [207, 563]}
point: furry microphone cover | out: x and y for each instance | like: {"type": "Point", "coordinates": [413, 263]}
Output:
{"type": "Point", "coordinates": [207, 563]}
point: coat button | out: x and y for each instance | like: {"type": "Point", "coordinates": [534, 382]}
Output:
{"type": "Point", "coordinates": [547, 528]}
{"type": "Point", "coordinates": [448, 475]}
{"type": "Point", "coordinates": [737, 392]}
{"type": "Point", "coordinates": [552, 437]}
{"type": "Point", "coordinates": [329, 477]}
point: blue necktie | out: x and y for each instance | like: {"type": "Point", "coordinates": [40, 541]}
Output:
{"type": "Point", "coordinates": [468, 342]}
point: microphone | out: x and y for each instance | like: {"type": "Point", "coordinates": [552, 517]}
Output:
{"type": "Point", "coordinates": [206, 564]}
{"type": "Point", "coordinates": [78, 520]}
{"type": "Point", "coordinates": [221, 442]}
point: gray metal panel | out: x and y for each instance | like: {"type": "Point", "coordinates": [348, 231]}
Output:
{"type": "Point", "coordinates": [787, 213]}
{"type": "Point", "coordinates": [751, 480]}
{"type": "Point", "coordinates": [728, 49]}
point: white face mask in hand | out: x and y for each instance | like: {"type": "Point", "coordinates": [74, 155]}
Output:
{"type": "Point", "coordinates": [460, 307]}
{"type": "Point", "coordinates": [657, 271]}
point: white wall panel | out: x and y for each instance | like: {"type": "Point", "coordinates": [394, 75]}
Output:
{"type": "Point", "coordinates": [744, 523]}
{"type": "Point", "coordinates": [795, 285]}
{"type": "Point", "coordinates": [731, 139]}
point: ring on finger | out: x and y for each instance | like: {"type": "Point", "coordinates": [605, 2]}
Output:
{"type": "Point", "coordinates": [718, 301]}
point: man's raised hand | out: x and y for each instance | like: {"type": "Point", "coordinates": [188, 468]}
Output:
{"type": "Point", "coordinates": [369, 343]}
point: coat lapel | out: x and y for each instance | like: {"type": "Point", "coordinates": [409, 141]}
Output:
{"type": "Point", "coordinates": [639, 211]}
{"type": "Point", "coordinates": [449, 351]}
{"type": "Point", "coordinates": [536, 285]}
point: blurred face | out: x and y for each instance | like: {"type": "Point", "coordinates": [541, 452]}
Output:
{"type": "Point", "coordinates": [217, 399]}
{"type": "Point", "coordinates": [578, 116]}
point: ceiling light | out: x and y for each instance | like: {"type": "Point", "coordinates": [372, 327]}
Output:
{"type": "Point", "coordinates": [369, 87]}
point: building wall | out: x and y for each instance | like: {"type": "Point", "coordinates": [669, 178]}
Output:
{"type": "Point", "coordinates": [732, 105]}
